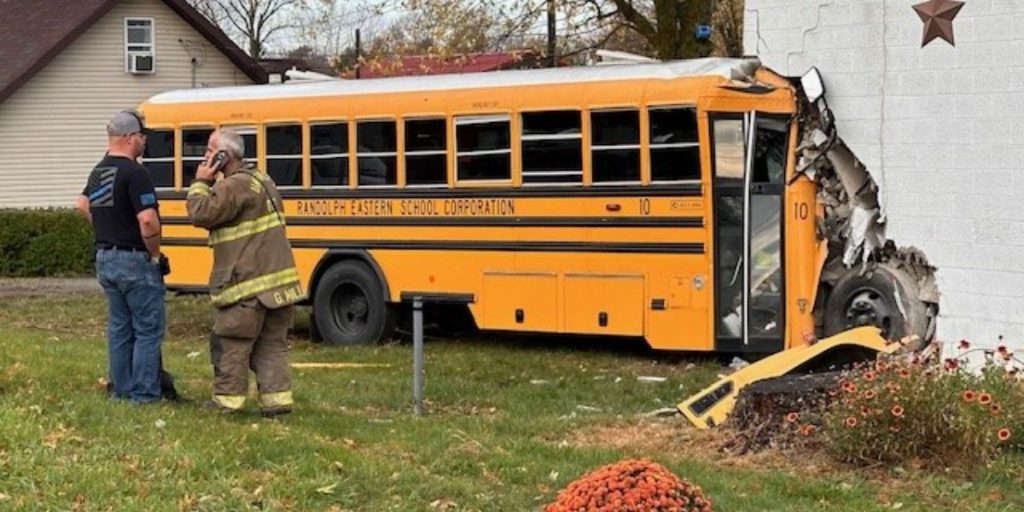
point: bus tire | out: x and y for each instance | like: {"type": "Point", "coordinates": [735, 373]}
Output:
{"type": "Point", "coordinates": [885, 297]}
{"type": "Point", "coordinates": [349, 306]}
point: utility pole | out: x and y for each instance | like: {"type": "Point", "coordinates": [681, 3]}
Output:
{"type": "Point", "coordinates": [359, 54]}
{"type": "Point", "coordinates": [552, 36]}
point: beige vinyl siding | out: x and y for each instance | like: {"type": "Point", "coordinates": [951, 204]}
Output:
{"type": "Point", "coordinates": [52, 130]}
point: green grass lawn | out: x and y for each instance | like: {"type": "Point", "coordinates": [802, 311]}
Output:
{"type": "Point", "coordinates": [511, 421]}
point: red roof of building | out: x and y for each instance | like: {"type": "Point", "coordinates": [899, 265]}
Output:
{"type": "Point", "coordinates": [436, 65]}
{"type": "Point", "coordinates": [33, 33]}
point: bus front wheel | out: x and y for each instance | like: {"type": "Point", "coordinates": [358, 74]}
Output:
{"type": "Point", "coordinates": [885, 297]}
{"type": "Point", "coordinates": [349, 306]}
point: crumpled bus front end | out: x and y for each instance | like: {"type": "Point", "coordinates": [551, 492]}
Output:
{"type": "Point", "coordinates": [873, 296]}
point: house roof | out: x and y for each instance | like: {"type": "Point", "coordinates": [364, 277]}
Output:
{"type": "Point", "coordinates": [31, 36]}
{"type": "Point", "coordinates": [415, 65]}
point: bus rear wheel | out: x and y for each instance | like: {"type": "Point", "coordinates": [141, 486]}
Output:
{"type": "Point", "coordinates": [349, 306]}
{"type": "Point", "coordinates": [884, 297]}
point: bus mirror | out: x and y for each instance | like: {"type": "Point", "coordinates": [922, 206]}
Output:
{"type": "Point", "coordinates": [813, 86]}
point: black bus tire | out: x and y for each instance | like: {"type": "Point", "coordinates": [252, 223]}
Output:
{"type": "Point", "coordinates": [885, 297]}
{"type": "Point", "coordinates": [349, 306]}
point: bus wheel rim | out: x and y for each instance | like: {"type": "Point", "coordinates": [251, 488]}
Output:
{"type": "Point", "coordinates": [351, 308]}
{"type": "Point", "coordinates": [867, 306]}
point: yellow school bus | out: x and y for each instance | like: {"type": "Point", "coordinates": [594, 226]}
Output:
{"type": "Point", "coordinates": [609, 200]}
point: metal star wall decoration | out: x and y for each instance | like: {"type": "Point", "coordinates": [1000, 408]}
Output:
{"type": "Point", "coordinates": [937, 16]}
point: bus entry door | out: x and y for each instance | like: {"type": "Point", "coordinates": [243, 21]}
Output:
{"type": "Point", "coordinates": [749, 158]}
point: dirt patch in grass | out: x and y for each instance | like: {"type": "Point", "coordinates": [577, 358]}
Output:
{"type": "Point", "coordinates": [646, 435]}
{"type": "Point", "coordinates": [33, 287]}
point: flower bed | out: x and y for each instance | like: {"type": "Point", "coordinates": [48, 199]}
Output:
{"type": "Point", "coordinates": [631, 485]}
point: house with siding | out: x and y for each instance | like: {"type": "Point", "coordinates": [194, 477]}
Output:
{"type": "Point", "coordinates": [69, 65]}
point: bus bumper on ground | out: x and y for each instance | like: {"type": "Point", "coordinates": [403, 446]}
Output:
{"type": "Point", "coordinates": [713, 404]}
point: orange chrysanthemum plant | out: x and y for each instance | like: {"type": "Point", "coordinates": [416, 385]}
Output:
{"type": "Point", "coordinates": [896, 410]}
{"type": "Point", "coordinates": [631, 485]}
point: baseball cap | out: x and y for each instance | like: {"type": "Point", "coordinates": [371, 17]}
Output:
{"type": "Point", "coordinates": [127, 122]}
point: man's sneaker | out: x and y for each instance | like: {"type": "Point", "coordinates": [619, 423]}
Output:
{"type": "Point", "coordinates": [212, 406]}
{"type": "Point", "coordinates": [271, 412]}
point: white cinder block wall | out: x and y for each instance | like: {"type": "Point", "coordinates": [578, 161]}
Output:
{"type": "Point", "coordinates": [941, 128]}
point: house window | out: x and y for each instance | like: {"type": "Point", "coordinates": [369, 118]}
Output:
{"type": "Point", "coordinates": [159, 158]}
{"type": "Point", "coordinates": [426, 152]}
{"type": "Point", "coordinates": [675, 152]}
{"type": "Point", "coordinates": [139, 50]}
{"type": "Point", "coordinates": [284, 154]}
{"type": "Point", "coordinates": [376, 152]}
{"type": "Point", "coordinates": [615, 146]}
{"type": "Point", "coordinates": [328, 154]}
{"type": "Point", "coordinates": [483, 148]}
{"type": "Point", "coordinates": [552, 148]}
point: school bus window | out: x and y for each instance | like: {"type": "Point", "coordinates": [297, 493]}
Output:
{"type": "Point", "coordinates": [376, 151]}
{"type": "Point", "coordinates": [426, 154]}
{"type": "Point", "coordinates": [728, 149]}
{"type": "Point", "coordinates": [552, 148]}
{"type": "Point", "coordinates": [193, 151]}
{"type": "Point", "coordinates": [675, 151]}
{"type": "Point", "coordinates": [770, 150]}
{"type": "Point", "coordinates": [615, 146]}
{"type": "Point", "coordinates": [483, 148]}
{"type": "Point", "coordinates": [284, 154]}
{"type": "Point", "coordinates": [328, 154]}
{"type": "Point", "coordinates": [248, 134]}
{"type": "Point", "coordinates": [159, 157]}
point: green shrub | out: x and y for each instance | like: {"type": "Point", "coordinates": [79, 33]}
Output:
{"type": "Point", "coordinates": [42, 243]}
{"type": "Point", "coordinates": [895, 412]}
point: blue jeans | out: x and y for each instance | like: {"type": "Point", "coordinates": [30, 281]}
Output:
{"type": "Point", "coordinates": [135, 327]}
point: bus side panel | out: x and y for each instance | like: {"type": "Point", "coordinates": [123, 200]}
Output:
{"type": "Point", "coordinates": [191, 265]}
{"type": "Point", "coordinates": [657, 296]}
{"type": "Point", "coordinates": [802, 265]}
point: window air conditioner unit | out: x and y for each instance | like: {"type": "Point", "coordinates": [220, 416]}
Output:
{"type": "Point", "coordinates": [141, 63]}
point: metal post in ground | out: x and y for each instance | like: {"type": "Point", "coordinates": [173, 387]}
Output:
{"type": "Point", "coordinates": [417, 355]}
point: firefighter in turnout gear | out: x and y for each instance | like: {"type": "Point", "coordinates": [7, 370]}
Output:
{"type": "Point", "coordinates": [253, 285]}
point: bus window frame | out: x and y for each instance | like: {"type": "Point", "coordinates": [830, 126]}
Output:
{"type": "Point", "coordinates": [641, 129]}
{"type": "Point", "coordinates": [263, 160]}
{"type": "Point", "coordinates": [448, 136]}
{"type": "Point", "coordinates": [180, 149]}
{"type": "Point", "coordinates": [246, 129]}
{"type": "Point", "coordinates": [651, 146]}
{"type": "Point", "coordinates": [580, 136]}
{"type": "Point", "coordinates": [513, 138]}
{"type": "Point", "coordinates": [347, 155]}
{"type": "Point", "coordinates": [173, 159]}
{"type": "Point", "coordinates": [355, 141]}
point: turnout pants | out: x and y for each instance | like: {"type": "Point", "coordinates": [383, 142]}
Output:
{"type": "Point", "coordinates": [248, 336]}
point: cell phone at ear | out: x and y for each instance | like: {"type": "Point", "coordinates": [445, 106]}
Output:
{"type": "Point", "coordinates": [219, 159]}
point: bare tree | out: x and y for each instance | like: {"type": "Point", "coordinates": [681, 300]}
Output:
{"type": "Point", "coordinates": [254, 21]}
{"type": "Point", "coordinates": [728, 28]}
{"type": "Point", "coordinates": [664, 29]}
{"type": "Point", "coordinates": [668, 26]}
{"type": "Point", "coordinates": [326, 29]}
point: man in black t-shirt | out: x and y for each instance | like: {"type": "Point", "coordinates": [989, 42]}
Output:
{"type": "Point", "coordinates": [120, 202]}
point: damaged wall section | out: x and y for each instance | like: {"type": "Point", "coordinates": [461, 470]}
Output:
{"type": "Point", "coordinates": [937, 127]}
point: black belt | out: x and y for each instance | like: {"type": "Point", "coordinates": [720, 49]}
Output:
{"type": "Point", "coordinates": [126, 248]}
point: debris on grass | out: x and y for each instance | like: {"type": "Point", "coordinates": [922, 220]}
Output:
{"type": "Point", "coordinates": [766, 411]}
{"type": "Point", "coordinates": [651, 379]}
{"type": "Point", "coordinates": [340, 365]}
